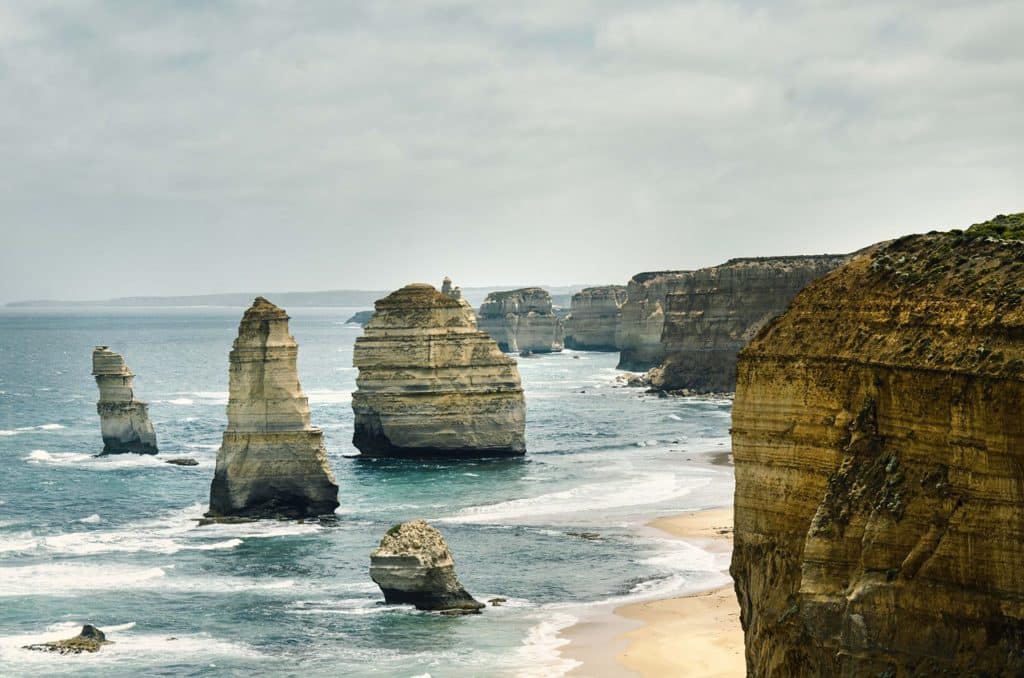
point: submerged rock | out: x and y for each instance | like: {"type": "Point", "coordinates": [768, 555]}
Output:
{"type": "Point", "coordinates": [272, 462]}
{"type": "Point", "coordinates": [879, 449]}
{"type": "Point", "coordinates": [431, 384]}
{"type": "Point", "coordinates": [91, 639]}
{"type": "Point", "coordinates": [124, 421]}
{"type": "Point", "coordinates": [413, 565]}
{"type": "Point", "coordinates": [182, 461]}
{"type": "Point", "coordinates": [593, 321]}
{"type": "Point", "coordinates": [522, 320]}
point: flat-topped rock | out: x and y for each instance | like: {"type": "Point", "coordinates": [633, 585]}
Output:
{"type": "Point", "coordinates": [522, 320]}
{"type": "Point", "coordinates": [594, 316]}
{"type": "Point", "coordinates": [272, 462]}
{"type": "Point", "coordinates": [413, 566]}
{"type": "Point", "coordinates": [431, 384]}
{"type": "Point", "coordinates": [124, 421]}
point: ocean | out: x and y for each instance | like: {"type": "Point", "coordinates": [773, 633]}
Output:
{"type": "Point", "coordinates": [113, 540]}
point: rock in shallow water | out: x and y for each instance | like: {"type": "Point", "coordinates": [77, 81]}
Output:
{"type": "Point", "coordinates": [91, 639]}
{"type": "Point", "coordinates": [272, 462]}
{"type": "Point", "coordinates": [413, 565]}
{"type": "Point", "coordinates": [124, 421]}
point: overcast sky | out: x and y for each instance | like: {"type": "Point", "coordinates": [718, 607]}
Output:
{"type": "Point", "coordinates": [189, 147]}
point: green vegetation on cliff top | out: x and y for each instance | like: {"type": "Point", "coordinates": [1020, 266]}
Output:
{"type": "Point", "coordinates": [1005, 226]}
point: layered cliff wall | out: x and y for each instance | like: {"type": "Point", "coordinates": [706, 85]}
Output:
{"type": "Point", "coordinates": [124, 421]}
{"type": "Point", "coordinates": [643, 317]}
{"type": "Point", "coordinates": [593, 319]}
{"type": "Point", "coordinates": [522, 320]}
{"type": "Point", "coordinates": [713, 312]}
{"type": "Point", "coordinates": [879, 450]}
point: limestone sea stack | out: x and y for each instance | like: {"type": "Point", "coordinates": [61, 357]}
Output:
{"type": "Point", "coordinates": [124, 421]}
{"type": "Point", "coordinates": [593, 319]}
{"type": "Point", "coordinates": [713, 312]}
{"type": "Point", "coordinates": [643, 317]}
{"type": "Point", "coordinates": [522, 320]}
{"type": "Point", "coordinates": [431, 384]}
{"type": "Point", "coordinates": [272, 462]}
{"type": "Point", "coordinates": [413, 565]}
{"type": "Point", "coordinates": [879, 448]}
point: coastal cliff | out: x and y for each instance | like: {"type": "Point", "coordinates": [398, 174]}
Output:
{"type": "Point", "coordinates": [638, 336]}
{"type": "Point", "coordinates": [879, 448]}
{"type": "Point", "coordinates": [272, 462]}
{"type": "Point", "coordinates": [431, 384]}
{"type": "Point", "coordinates": [124, 421]}
{"type": "Point", "coordinates": [522, 320]}
{"type": "Point", "coordinates": [713, 312]}
{"type": "Point", "coordinates": [593, 319]}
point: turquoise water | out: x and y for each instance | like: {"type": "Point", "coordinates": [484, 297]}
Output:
{"type": "Point", "coordinates": [112, 541]}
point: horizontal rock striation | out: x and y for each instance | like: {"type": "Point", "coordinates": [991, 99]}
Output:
{"type": "Point", "coordinates": [413, 566]}
{"type": "Point", "coordinates": [124, 421]}
{"type": "Point", "coordinates": [593, 319]}
{"type": "Point", "coordinates": [272, 462]}
{"type": "Point", "coordinates": [879, 454]}
{"type": "Point", "coordinates": [643, 316]}
{"type": "Point", "coordinates": [713, 312]}
{"type": "Point", "coordinates": [522, 320]}
{"type": "Point", "coordinates": [431, 384]}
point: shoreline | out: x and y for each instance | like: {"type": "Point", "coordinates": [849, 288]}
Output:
{"type": "Point", "coordinates": [697, 634]}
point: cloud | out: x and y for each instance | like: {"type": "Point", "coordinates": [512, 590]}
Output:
{"type": "Point", "coordinates": [183, 147]}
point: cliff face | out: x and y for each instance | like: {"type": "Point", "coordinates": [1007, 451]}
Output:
{"type": "Point", "coordinates": [713, 312]}
{"type": "Point", "coordinates": [272, 462]}
{"type": "Point", "coordinates": [593, 320]}
{"type": "Point", "coordinates": [643, 317]}
{"type": "Point", "coordinates": [124, 421]}
{"type": "Point", "coordinates": [522, 320]}
{"type": "Point", "coordinates": [879, 451]}
{"type": "Point", "coordinates": [431, 384]}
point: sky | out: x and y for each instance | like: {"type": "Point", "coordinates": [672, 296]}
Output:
{"type": "Point", "coordinates": [164, 148]}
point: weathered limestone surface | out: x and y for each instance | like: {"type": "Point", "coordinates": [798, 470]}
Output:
{"type": "Point", "coordinates": [124, 421]}
{"type": "Point", "coordinates": [879, 452]}
{"type": "Point", "coordinates": [713, 312]}
{"type": "Point", "coordinates": [272, 462]}
{"type": "Point", "coordinates": [522, 320]}
{"type": "Point", "coordinates": [643, 317]}
{"type": "Point", "coordinates": [593, 320]}
{"type": "Point", "coordinates": [413, 565]}
{"type": "Point", "coordinates": [431, 384]}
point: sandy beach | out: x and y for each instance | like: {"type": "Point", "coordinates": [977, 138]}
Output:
{"type": "Point", "coordinates": [694, 635]}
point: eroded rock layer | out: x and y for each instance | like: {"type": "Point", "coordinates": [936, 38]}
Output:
{"type": "Point", "coordinates": [431, 384]}
{"type": "Point", "coordinates": [522, 320]}
{"type": "Point", "coordinates": [879, 448]}
{"type": "Point", "coordinates": [272, 462]}
{"type": "Point", "coordinates": [713, 312]}
{"type": "Point", "coordinates": [643, 317]}
{"type": "Point", "coordinates": [124, 421]}
{"type": "Point", "coordinates": [593, 320]}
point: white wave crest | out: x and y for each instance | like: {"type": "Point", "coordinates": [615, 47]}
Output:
{"type": "Point", "coordinates": [181, 401]}
{"type": "Point", "coordinates": [321, 397]}
{"type": "Point", "coordinates": [90, 520]}
{"type": "Point", "coordinates": [540, 648]}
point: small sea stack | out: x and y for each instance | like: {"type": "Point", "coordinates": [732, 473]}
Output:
{"type": "Point", "coordinates": [593, 319]}
{"type": "Point", "coordinates": [272, 462]}
{"type": "Point", "coordinates": [522, 320]}
{"type": "Point", "coordinates": [124, 421]}
{"type": "Point", "coordinates": [431, 384]}
{"type": "Point", "coordinates": [413, 566]}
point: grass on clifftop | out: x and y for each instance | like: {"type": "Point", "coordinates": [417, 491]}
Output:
{"type": "Point", "coordinates": [1005, 226]}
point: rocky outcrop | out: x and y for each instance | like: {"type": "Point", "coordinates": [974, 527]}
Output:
{"type": "Point", "coordinates": [360, 318]}
{"type": "Point", "coordinates": [413, 566]}
{"type": "Point", "coordinates": [431, 384]}
{"type": "Point", "coordinates": [522, 320]}
{"type": "Point", "coordinates": [879, 456]}
{"type": "Point", "coordinates": [593, 319]}
{"type": "Point", "coordinates": [643, 318]}
{"type": "Point", "coordinates": [91, 639]}
{"type": "Point", "coordinates": [713, 312]}
{"type": "Point", "coordinates": [124, 421]}
{"type": "Point", "coordinates": [272, 462]}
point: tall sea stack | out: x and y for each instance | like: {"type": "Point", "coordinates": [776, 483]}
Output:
{"type": "Point", "coordinates": [879, 449]}
{"type": "Point", "coordinates": [271, 463]}
{"type": "Point", "coordinates": [431, 384]}
{"type": "Point", "coordinates": [593, 319]}
{"type": "Point", "coordinates": [643, 318]}
{"type": "Point", "coordinates": [522, 320]}
{"type": "Point", "coordinates": [124, 421]}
